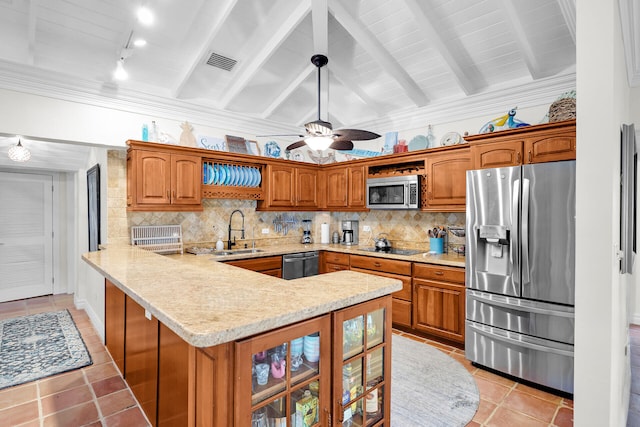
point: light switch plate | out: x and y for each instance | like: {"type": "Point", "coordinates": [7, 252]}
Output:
{"type": "Point", "coordinates": [366, 228]}
{"type": "Point", "coordinates": [265, 231]}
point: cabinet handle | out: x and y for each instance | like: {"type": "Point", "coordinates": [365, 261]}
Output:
{"type": "Point", "coordinates": [377, 264]}
{"type": "Point", "coordinates": [439, 273]}
{"type": "Point", "coordinates": [168, 195]}
{"type": "Point", "coordinates": [519, 155]}
{"type": "Point", "coordinates": [340, 413]}
{"type": "Point", "coordinates": [529, 156]}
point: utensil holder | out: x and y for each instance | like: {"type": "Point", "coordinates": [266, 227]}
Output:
{"type": "Point", "coordinates": [436, 245]}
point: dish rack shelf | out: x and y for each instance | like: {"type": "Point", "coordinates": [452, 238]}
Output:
{"type": "Point", "coordinates": [232, 180]}
{"type": "Point", "coordinates": [161, 239]}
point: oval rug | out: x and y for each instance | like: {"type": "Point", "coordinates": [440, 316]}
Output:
{"type": "Point", "coordinates": [429, 388]}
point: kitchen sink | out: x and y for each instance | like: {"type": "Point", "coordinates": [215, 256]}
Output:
{"type": "Point", "coordinates": [237, 252]}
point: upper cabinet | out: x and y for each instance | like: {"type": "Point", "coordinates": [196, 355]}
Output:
{"type": "Point", "coordinates": [290, 187]}
{"type": "Point", "coordinates": [443, 187]}
{"type": "Point", "coordinates": [345, 187]}
{"type": "Point", "coordinates": [163, 181]}
{"type": "Point", "coordinates": [532, 144]}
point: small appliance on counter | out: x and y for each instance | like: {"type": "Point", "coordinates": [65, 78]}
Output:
{"type": "Point", "coordinates": [349, 232]}
{"type": "Point", "coordinates": [306, 232]}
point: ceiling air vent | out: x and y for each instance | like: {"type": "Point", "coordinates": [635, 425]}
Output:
{"type": "Point", "coordinates": [219, 61]}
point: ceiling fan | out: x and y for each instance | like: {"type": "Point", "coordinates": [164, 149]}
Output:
{"type": "Point", "coordinates": [320, 134]}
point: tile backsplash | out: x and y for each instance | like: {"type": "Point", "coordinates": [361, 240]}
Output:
{"type": "Point", "coordinates": [404, 228]}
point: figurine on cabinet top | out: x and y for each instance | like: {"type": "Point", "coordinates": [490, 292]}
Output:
{"type": "Point", "coordinates": [503, 122]}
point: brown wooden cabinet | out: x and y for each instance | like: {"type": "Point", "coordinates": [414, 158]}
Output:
{"type": "Point", "coordinates": [333, 261]}
{"type": "Point", "coordinates": [290, 187]}
{"type": "Point", "coordinates": [446, 180]}
{"type": "Point", "coordinates": [394, 269]}
{"type": "Point", "coordinates": [163, 181]}
{"type": "Point", "coordinates": [114, 315]}
{"type": "Point", "coordinates": [271, 265]}
{"type": "Point", "coordinates": [362, 364]}
{"type": "Point", "coordinates": [532, 144]}
{"type": "Point", "coordinates": [279, 392]}
{"type": "Point", "coordinates": [439, 301]}
{"type": "Point", "coordinates": [497, 154]}
{"type": "Point", "coordinates": [141, 357]}
{"type": "Point", "coordinates": [345, 187]}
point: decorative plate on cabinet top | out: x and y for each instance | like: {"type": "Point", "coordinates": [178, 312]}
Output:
{"type": "Point", "coordinates": [451, 138]}
{"type": "Point", "coordinates": [272, 149]}
{"type": "Point", "coordinates": [418, 142]}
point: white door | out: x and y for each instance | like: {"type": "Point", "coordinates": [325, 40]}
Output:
{"type": "Point", "coordinates": [26, 238]}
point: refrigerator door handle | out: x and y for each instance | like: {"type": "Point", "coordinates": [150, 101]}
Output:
{"type": "Point", "coordinates": [513, 244]}
{"type": "Point", "coordinates": [522, 342]}
{"type": "Point", "coordinates": [502, 301]}
{"type": "Point", "coordinates": [526, 279]}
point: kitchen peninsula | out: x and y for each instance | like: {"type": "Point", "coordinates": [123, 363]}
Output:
{"type": "Point", "coordinates": [187, 339]}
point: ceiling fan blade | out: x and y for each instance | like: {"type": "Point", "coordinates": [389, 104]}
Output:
{"type": "Point", "coordinates": [296, 144]}
{"type": "Point", "coordinates": [341, 145]}
{"type": "Point", "coordinates": [355, 134]}
{"type": "Point", "coordinates": [284, 134]}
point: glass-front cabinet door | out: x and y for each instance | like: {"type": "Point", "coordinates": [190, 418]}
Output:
{"type": "Point", "coordinates": [362, 364]}
{"type": "Point", "coordinates": [283, 378]}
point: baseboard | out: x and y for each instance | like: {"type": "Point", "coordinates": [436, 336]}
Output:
{"type": "Point", "coordinates": [81, 304]}
{"type": "Point", "coordinates": [635, 319]}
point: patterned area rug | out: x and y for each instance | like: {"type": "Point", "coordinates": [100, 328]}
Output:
{"type": "Point", "coordinates": [39, 345]}
{"type": "Point", "coordinates": [429, 388]}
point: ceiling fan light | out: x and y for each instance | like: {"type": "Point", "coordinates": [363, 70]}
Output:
{"type": "Point", "coordinates": [120, 73]}
{"type": "Point", "coordinates": [18, 153]}
{"type": "Point", "coordinates": [319, 142]}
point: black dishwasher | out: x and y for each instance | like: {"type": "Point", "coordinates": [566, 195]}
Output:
{"type": "Point", "coordinates": [298, 265]}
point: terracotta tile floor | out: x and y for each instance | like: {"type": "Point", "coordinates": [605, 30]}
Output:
{"type": "Point", "coordinates": [97, 395]}
{"type": "Point", "coordinates": [92, 396]}
{"type": "Point", "coordinates": [507, 403]}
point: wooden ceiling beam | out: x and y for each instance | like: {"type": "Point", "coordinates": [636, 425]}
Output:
{"type": "Point", "coordinates": [521, 39]}
{"type": "Point", "coordinates": [281, 31]}
{"type": "Point", "coordinates": [568, 9]}
{"type": "Point", "coordinates": [293, 85]}
{"type": "Point", "coordinates": [431, 35]}
{"type": "Point", "coordinates": [363, 36]}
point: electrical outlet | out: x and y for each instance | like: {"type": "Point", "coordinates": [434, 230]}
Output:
{"type": "Point", "coordinates": [265, 231]}
{"type": "Point", "coordinates": [366, 228]}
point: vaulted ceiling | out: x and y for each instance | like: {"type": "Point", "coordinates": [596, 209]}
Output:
{"type": "Point", "coordinates": [386, 57]}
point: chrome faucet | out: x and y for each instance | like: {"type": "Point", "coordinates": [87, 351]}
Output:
{"type": "Point", "coordinates": [229, 243]}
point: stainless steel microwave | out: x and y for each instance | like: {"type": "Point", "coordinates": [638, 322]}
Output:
{"type": "Point", "coordinates": [402, 192]}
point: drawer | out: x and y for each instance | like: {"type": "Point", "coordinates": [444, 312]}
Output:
{"type": "Point", "coordinates": [381, 264]}
{"type": "Point", "coordinates": [330, 267]}
{"type": "Point", "coordinates": [401, 312]}
{"type": "Point", "coordinates": [259, 264]}
{"type": "Point", "coordinates": [405, 293]}
{"type": "Point", "coordinates": [336, 258]}
{"type": "Point", "coordinates": [440, 273]}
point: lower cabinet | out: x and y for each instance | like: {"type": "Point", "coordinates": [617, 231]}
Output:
{"type": "Point", "coordinates": [394, 269]}
{"type": "Point", "coordinates": [271, 265]}
{"type": "Point", "coordinates": [114, 323]}
{"type": "Point", "coordinates": [332, 370]}
{"type": "Point", "coordinates": [333, 261]}
{"type": "Point", "coordinates": [141, 357]}
{"type": "Point", "coordinates": [439, 301]}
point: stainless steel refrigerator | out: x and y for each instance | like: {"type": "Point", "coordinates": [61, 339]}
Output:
{"type": "Point", "coordinates": [520, 271]}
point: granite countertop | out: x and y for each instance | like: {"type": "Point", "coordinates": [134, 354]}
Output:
{"type": "Point", "coordinates": [208, 303]}
{"type": "Point", "coordinates": [448, 259]}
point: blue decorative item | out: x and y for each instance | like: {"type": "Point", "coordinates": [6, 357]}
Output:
{"type": "Point", "coordinates": [390, 139]}
{"type": "Point", "coordinates": [504, 122]}
{"type": "Point", "coordinates": [418, 142]}
{"type": "Point", "coordinates": [272, 149]}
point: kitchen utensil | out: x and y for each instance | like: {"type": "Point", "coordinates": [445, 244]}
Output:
{"type": "Point", "coordinates": [382, 242]}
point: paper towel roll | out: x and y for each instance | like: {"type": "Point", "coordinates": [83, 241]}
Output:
{"type": "Point", "coordinates": [324, 233]}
